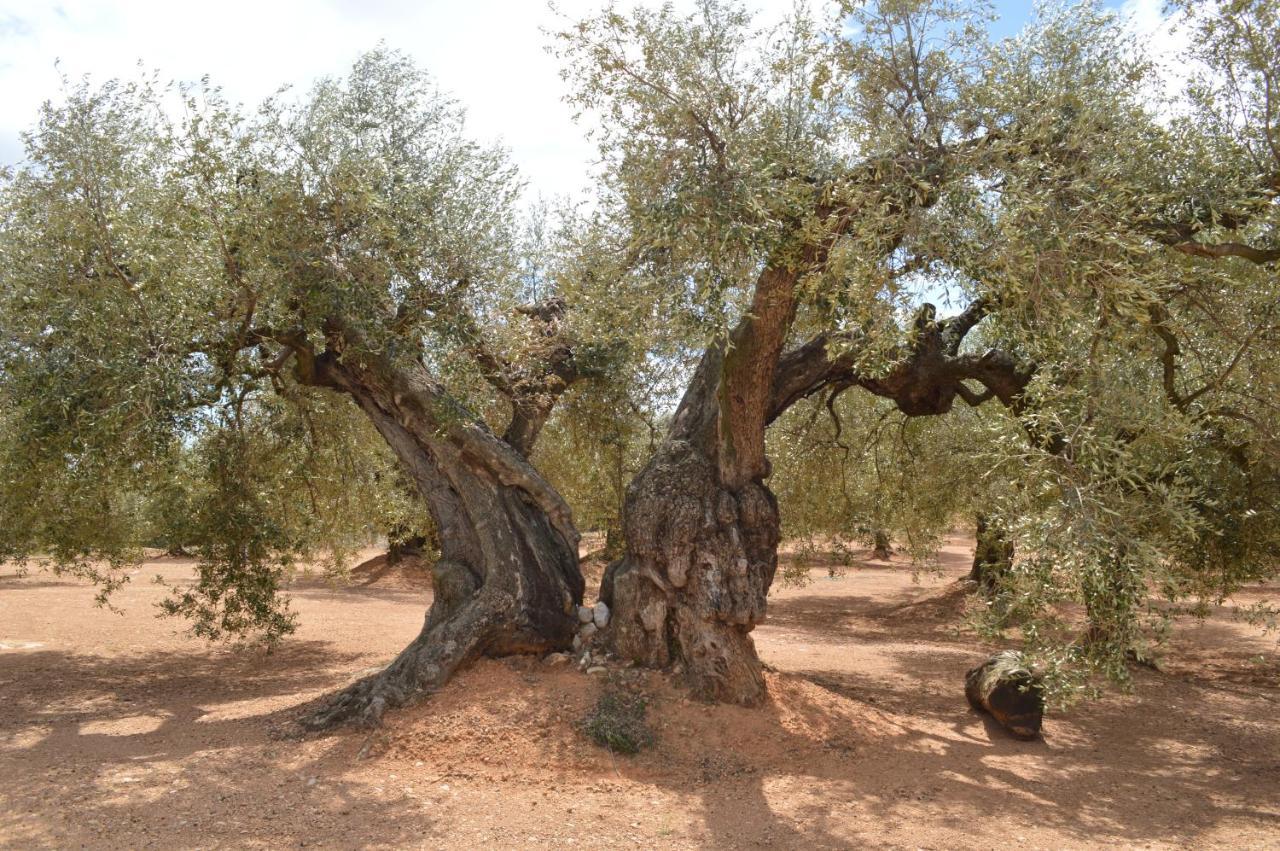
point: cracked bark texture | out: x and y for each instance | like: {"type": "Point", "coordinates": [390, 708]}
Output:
{"type": "Point", "coordinates": [507, 580]}
{"type": "Point", "coordinates": [701, 526]}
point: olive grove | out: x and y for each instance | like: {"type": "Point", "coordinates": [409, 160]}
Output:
{"type": "Point", "coordinates": [863, 275]}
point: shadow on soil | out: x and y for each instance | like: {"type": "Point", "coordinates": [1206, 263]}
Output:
{"type": "Point", "coordinates": [181, 743]}
{"type": "Point", "coordinates": [1175, 758]}
{"type": "Point", "coordinates": [1164, 767]}
{"type": "Point", "coordinates": [858, 755]}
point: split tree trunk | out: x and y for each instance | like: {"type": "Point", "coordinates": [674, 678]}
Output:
{"type": "Point", "coordinates": [700, 557]}
{"type": "Point", "coordinates": [701, 526]}
{"type": "Point", "coordinates": [507, 580]}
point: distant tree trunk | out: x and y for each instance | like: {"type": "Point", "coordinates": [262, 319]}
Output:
{"type": "Point", "coordinates": [1111, 595]}
{"type": "Point", "coordinates": [883, 547]}
{"type": "Point", "coordinates": [507, 580]}
{"type": "Point", "coordinates": [614, 539]}
{"type": "Point", "coordinates": [400, 546]}
{"type": "Point", "coordinates": [992, 556]}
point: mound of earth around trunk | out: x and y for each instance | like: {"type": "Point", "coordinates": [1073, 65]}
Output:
{"type": "Point", "coordinates": [504, 719]}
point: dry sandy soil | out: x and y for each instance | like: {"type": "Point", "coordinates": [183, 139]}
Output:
{"type": "Point", "coordinates": [123, 732]}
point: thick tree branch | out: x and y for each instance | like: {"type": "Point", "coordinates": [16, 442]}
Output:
{"type": "Point", "coordinates": [1182, 235]}
{"type": "Point", "coordinates": [409, 396]}
{"type": "Point", "coordinates": [1168, 355]}
{"type": "Point", "coordinates": [927, 375]}
{"type": "Point", "coordinates": [1216, 250]}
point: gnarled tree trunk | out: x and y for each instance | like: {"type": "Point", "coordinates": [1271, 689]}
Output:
{"type": "Point", "coordinates": [701, 526]}
{"type": "Point", "coordinates": [508, 579]}
{"type": "Point", "coordinates": [701, 555]}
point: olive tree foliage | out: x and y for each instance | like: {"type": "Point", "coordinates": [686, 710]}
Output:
{"type": "Point", "coordinates": [848, 467]}
{"type": "Point", "coordinates": [1138, 275]}
{"type": "Point", "coordinates": [599, 436]}
{"type": "Point", "coordinates": [275, 486]}
{"type": "Point", "coordinates": [1110, 262]}
{"type": "Point", "coordinates": [185, 285]}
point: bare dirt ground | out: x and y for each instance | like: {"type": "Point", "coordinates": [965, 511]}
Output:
{"type": "Point", "coordinates": [123, 732]}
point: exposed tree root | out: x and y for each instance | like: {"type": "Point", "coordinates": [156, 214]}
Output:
{"type": "Point", "coordinates": [453, 637]}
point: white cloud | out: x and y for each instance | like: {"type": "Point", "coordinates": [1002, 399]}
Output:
{"type": "Point", "coordinates": [1167, 41]}
{"type": "Point", "coordinates": [488, 53]}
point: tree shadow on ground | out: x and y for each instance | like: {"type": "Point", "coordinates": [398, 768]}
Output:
{"type": "Point", "coordinates": [175, 749]}
{"type": "Point", "coordinates": [844, 618]}
{"type": "Point", "coordinates": [869, 743]}
{"type": "Point", "coordinates": [1165, 766]}
{"type": "Point", "coordinates": [894, 748]}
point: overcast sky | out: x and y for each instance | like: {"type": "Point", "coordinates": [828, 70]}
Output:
{"type": "Point", "coordinates": [488, 53]}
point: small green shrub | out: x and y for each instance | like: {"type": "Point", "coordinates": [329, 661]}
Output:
{"type": "Point", "coordinates": [617, 721]}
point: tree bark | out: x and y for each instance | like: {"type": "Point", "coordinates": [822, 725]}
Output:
{"type": "Point", "coordinates": [507, 580]}
{"type": "Point", "coordinates": [701, 527]}
{"type": "Point", "coordinates": [700, 557]}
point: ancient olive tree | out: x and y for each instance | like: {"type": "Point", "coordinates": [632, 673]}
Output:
{"type": "Point", "coordinates": [765, 185]}
{"type": "Point", "coordinates": [808, 185]}
{"type": "Point", "coordinates": [219, 283]}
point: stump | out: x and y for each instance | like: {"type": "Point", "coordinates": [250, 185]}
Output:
{"type": "Point", "coordinates": [1010, 691]}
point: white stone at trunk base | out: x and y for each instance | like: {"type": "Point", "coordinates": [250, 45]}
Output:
{"type": "Point", "coordinates": [601, 615]}
{"type": "Point", "coordinates": [587, 631]}
{"type": "Point", "coordinates": [585, 614]}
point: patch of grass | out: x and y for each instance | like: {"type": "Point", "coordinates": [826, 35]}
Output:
{"type": "Point", "coordinates": [617, 721]}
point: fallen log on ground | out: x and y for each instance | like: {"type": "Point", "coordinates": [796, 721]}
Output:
{"type": "Point", "coordinates": [1010, 691]}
